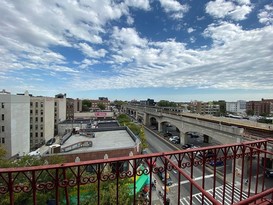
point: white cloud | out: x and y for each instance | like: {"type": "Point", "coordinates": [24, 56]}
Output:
{"type": "Point", "coordinates": [266, 15]}
{"type": "Point", "coordinates": [127, 37]}
{"type": "Point", "coordinates": [222, 9]}
{"type": "Point", "coordinates": [239, 59]}
{"type": "Point", "coordinates": [86, 63]}
{"type": "Point", "coordinates": [223, 33]}
{"type": "Point", "coordinates": [190, 30]}
{"type": "Point", "coordinates": [243, 2]}
{"type": "Point", "coordinates": [130, 20]}
{"type": "Point", "coordinates": [174, 8]}
{"type": "Point", "coordinates": [40, 36]}
{"type": "Point", "coordinates": [141, 4]}
{"type": "Point", "coordinates": [40, 25]}
{"type": "Point", "coordinates": [90, 52]}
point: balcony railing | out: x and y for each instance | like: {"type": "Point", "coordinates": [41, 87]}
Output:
{"type": "Point", "coordinates": [226, 174]}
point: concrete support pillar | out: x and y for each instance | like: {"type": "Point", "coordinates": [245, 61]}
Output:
{"type": "Point", "coordinates": [146, 119]}
{"type": "Point", "coordinates": [183, 138]}
{"type": "Point", "coordinates": [159, 127]}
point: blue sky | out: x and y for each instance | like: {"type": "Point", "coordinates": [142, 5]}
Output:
{"type": "Point", "coordinates": [138, 49]}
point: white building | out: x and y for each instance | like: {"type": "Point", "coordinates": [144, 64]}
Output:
{"type": "Point", "coordinates": [45, 114]}
{"type": "Point", "coordinates": [236, 107]}
{"type": "Point", "coordinates": [14, 123]}
{"type": "Point", "coordinates": [41, 120]}
{"type": "Point", "coordinates": [59, 110]}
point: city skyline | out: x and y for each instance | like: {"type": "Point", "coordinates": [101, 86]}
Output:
{"type": "Point", "coordinates": [138, 49]}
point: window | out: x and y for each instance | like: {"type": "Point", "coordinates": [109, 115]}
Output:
{"type": "Point", "coordinates": [55, 103]}
{"type": "Point", "coordinates": [42, 112]}
{"type": "Point", "coordinates": [30, 127]}
{"type": "Point", "coordinates": [31, 135]}
{"type": "Point", "coordinates": [3, 117]}
{"type": "Point", "coordinates": [31, 104]}
{"type": "Point", "coordinates": [42, 104]}
{"type": "Point", "coordinates": [2, 105]}
{"type": "Point", "coordinates": [30, 119]}
{"type": "Point", "coordinates": [36, 112]}
{"type": "Point", "coordinates": [36, 119]}
{"type": "Point", "coordinates": [3, 140]}
{"type": "Point", "coordinates": [42, 135]}
{"type": "Point", "coordinates": [36, 134]}
{"type": "Point", "coordinates": [31, 112]}
{"type": "Point", "coordinates": [3, 129]}
{"type": "Point", "coordinates": [36, 127]}
{"type": "Point", "coordinates": [42, 119]}
{"type": "Point", "coordinates": [36, 104]}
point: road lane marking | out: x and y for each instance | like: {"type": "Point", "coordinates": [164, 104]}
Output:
{"type": "Point", "coordinates": [195, 179]}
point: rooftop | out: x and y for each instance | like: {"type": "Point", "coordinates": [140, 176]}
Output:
{"type": "Point", "coordinates": [103, 140]}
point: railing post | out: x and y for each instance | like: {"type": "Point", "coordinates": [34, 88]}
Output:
{"type": "Point", "coordinates": [98, 177]}
{"type": "Point", "coordinates": [134, 174]}
{"type": "Point", "coordinates": [33, 184]}
{"type": "Point", "coordinates": [117, 175]}
{"type": "Point", "coordinates": [10, 185]}
{"type": "Point", "coordinates": [78, 184]}
{"type": "Point", "coordinates": [57, 186]}
{"type": "Point", "coordinates": [66, 192]}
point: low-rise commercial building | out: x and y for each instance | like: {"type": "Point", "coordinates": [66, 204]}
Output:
{"type": "Point", "coordinates": [107, 140]}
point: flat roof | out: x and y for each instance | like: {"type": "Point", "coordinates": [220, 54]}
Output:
{"type": "Point", "coordinates": [104, 140]}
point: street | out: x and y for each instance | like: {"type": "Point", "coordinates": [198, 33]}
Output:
{"type": "Point", "coordinates": [208, 181]}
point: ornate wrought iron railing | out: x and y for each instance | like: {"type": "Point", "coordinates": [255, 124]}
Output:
{"type": "Point", "coordinates": [226, 174]}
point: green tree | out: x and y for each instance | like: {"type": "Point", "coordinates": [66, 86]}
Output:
{"type": "Point", "coordinates": [118, 103]}
{"type": "Point", "coordinates": [138, 130]}
{"type": "Point", "coordinates": [101, 106]}
{"type": "Point", "coordinates": [24, 178]}
{"type": "Point", "coordinates": [165, 103]}
{"type": "Point", "coordinates": [123, 119]}
{"type": "Point", "coordinates": [86, 105]}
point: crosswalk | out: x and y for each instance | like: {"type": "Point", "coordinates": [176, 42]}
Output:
{"type": "Point", "coordinates": [229, 191]}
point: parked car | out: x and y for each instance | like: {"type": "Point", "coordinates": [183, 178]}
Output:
{"type": "Point", "coordinates": [269, 173]}
{"type": "Point", "coordinates": [161, 175]}
{"type": "Point", "coordinates": [186, 146]}
{"type": "Point", "coordinates": [218, 163]}
{"type": "Point", "coordinates": [50, 142]}
{"type": "Point", "coordinates": [174, 139]}
{"type": "Point", "coordinates": [208, 154]}
{"type": "Point", "coordinates": [194, 135]}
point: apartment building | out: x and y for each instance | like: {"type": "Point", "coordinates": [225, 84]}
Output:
{"type": "Point", "coordinates": [14, 123]}
{"type": "Point", "coordinates": [205, 108]}
{"type": "Point", "coordinates": [41, 120]}
{"type": "Point", "coordinates": [236, 107]}
{"type": "Point", "coordinates": [263, 107]}
{"type": "Point", "coordinates": [45, 114]}
{"type": "Point", "coordinates": [73, 106]}
{"type": "Point", "coordinates": [59, 110]}
{"type": "Point", "coordinates": [101, 100]}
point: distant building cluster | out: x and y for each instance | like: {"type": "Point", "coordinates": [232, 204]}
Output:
{"type": "Point", "coordinates": [263, 107]}
{"type": "Point", "coordinates": [27, 122]}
